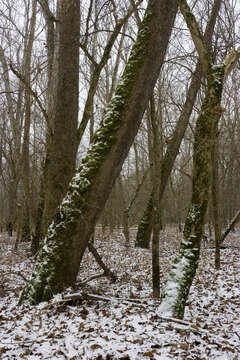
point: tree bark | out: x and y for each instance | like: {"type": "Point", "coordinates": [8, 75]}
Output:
{"type": "Point", "coordinates": [61, 252]}
{"type": "Point", "coordinates": [180, 278]}
{"type": "Point", "coordinates": [233, 222]}
{"type": "Point", "coordinates": [62, 141]}
{"type": "Point", "coordinates": [125, 218]}
{"type": "Point", "coordinates": [146, 223]}
{"type": "Point", "coordinates": [157, 156]}
{"type": "Point", "coordinates": [25, 168]}
{"type": "Point", "coordinates": [215, 198]}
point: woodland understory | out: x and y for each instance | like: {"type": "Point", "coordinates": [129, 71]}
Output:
{"type": "Point", "coordinates": [119, 146]}
{"type": "Point", "coordinates": [99, 319]}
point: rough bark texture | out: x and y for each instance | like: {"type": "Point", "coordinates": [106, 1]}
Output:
{"type": "Point", "coordinates": [180, 278]}
{"type": "Point", "coordinates": [145, 226]}
{"type": "Point", "coordinates": [61, 252]}
{"type": "Point", "coordinates": [146, 223]}
{"type": "Point", "coordinates": [62, 146]}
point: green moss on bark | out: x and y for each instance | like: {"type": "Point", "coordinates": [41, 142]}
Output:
{"type": "Point", "coordinates": [145, 227]}
{"type": "Point", "coordinates": [50, 275]}
{"type": "Point", "coordinates": [180, 278]}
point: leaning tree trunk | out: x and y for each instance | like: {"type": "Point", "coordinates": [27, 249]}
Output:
{"type": "Point", "coordinates": [146, 223]}
{"type": "Point", "coordinates": [231, 225]}
{"type": "Point", "coordinates": [60, 254]}
{"type": "Point", "coordinates": [180, 278]}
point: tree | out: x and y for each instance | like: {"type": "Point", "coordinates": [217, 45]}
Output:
{"type": "Point", "coordinates": [25, 146]}
{"type": "Point", "coordinates": [146, 223]}
{"type": "Point", "coordinates": [61, 155]}
{"type": "Point", "coordinates": [156, 124]}
{"type": "Point", "coordinates": [177, 287]}
{"type": "Point", "coordinates": [58, 261]}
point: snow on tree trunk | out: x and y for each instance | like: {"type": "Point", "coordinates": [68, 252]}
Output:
{"type": "Point", "coordinates": [177, 287]}
{"type": "Point", "coordinates": [180, 278]}
{"type": "Point", "coordinates": [145, 225]}
{"type": "Point", "coordinates": [60, 254]}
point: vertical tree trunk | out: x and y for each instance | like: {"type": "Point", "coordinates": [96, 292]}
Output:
{"type": "Point", "coordinates": [25, 146]}
{"type": "Point", "coordinates": [61, 252]}
{"type": "Point", "coordinates": [125, 223]}
{"type": "Point", "coordinates": [145, 226]}
{"type": "Point", "coordinates": [157, 156]}
{"type": "Point", "coordinates": [61, 150]}
{"type": "Point", "coordinates": [52, 42]}
{"type": "Point", "coordinates": [215, 198]}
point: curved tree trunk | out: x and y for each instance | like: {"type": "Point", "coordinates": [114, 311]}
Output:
{"type": "Point", "coordinates": [61, 252]}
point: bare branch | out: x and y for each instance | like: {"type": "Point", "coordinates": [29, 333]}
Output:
{"type": "Point", "coordinates": [231, 60]}
{"type": "Point", "coordinates": [233, 222]}
{"type": "Point", "coordinates": [197, 37]}
{"type": "Point", "coordinates": [33, 93]}
{"type": "Point", "coordinates": [46, 10]}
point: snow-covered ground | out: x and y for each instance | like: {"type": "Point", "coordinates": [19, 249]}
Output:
{"type": "Point", "coordinates": [123, 324]}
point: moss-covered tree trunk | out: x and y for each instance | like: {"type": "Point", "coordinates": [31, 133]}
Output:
{"type": "Point", "coordinates": [60, 254]}
{"type": "Point", "coordinates": [146, 223]}
{"type": "Point", "coordinates": [180, 278]}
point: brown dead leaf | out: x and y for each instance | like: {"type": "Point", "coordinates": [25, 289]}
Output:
{"type": "Point", "coordinates": [183, 346]}
{"type": "Point", "coordinates": [96, 346]}
{"type": "Point", "coordinates": [149, 354]}
{"type": "Point", "coordinates": [91, 329]}
{"type": "Point", "coordinates": [81, 326]}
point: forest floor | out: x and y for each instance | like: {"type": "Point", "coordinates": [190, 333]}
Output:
{"type": "Point", "coordinates": [123, 322]}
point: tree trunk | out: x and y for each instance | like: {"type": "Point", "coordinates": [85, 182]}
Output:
{"type": "Point", "coordinates": [156, 156]}
{"type": "Point", "coordinates": [62, 147]}
{"type": "Point", "coordinates": [231, 225]}
{"type": "Point", "coordinates": [180, 278]}
{"type": "Point", "coordinates": [145, 226]}
{"type": "Point", "coordinates": [61, 252]}
{"type": "Point", "coordinates": [125, 219]}
{"type": "Point", "coordinates": [146, 223]}
{"type": "Point", "coordinates": [215, 198]}
{"type": "Point", "coordinates": [25, 145]}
